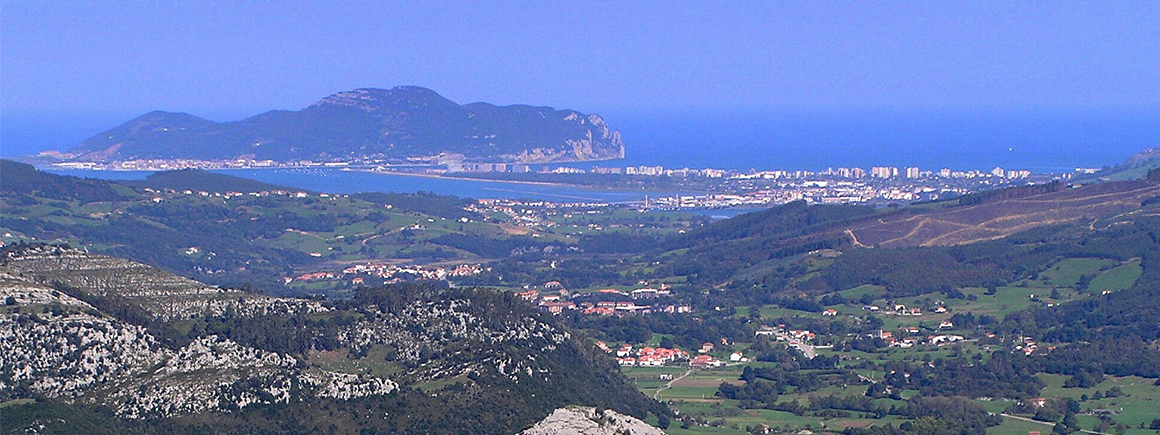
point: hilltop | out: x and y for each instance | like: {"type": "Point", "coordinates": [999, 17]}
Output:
{"type": "Point", "coordinates": [1134, 167]}
{"type": "Point", "coordinates": [24, 179]}
{"type": "Point", "coordinates": [383, 124]}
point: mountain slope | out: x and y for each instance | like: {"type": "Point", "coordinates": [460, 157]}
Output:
{"type": "Point", "coordinates": [1135, 167]}
{"type": "Point", "coordinates": [255, 239]}
{"type": "Point", "coordinates": [58, 295]}
{"type": "Point", "coordinates": [405, 121]}
{"type": "Point", "coordinates": [179, 357]}
{"type": "Point", "coordinates": [23, 179]}
{"type": "Point", "coordinates": [1001, 218]}
{"type": "Point", "coordinates": [756, 248]}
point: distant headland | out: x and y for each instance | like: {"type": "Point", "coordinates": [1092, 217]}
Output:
{"type": "Point", "coordinates": [405, 124]}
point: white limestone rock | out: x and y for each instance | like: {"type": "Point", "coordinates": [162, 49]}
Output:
{"type": "Point", "coordinates": [583, 420]}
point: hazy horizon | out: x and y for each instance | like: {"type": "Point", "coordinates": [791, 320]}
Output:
{"type": "Point", "coordinates": [74, 70]}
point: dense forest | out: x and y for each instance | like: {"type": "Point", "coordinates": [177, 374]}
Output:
{"type": "Point", "coordinates": [22, 179]}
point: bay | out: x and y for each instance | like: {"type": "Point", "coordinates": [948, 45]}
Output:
{"type": "Point", "coordinates": [347, 182]}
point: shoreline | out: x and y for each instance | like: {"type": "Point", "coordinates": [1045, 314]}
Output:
{"type": "Point", "coordinates": [487, 180]}
{"type": "Point", "coordinates": [532, 183]}
{"type": "Point", "coordinates": [536, 183]}
{"type": "Point", "coordinates": [339, 168]}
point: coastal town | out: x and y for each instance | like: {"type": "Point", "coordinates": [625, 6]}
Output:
{"type": "Point", "coordinates": [722, 188]}
{"type": "Point", "coordinates": [675, 188]}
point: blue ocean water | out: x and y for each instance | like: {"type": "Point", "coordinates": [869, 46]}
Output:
{"type": "Point", "coordinates": [1040, 141]}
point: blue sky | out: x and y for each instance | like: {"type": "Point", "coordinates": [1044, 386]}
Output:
{"type": "Point", "coordinates": [224, 60]}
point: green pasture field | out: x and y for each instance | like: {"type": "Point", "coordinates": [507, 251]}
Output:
{"type": "Point", "coordinates": [1121, 277]}
{"type": "Point", "coordinates": [857, 292]}
{"type": "Point", "coordinates": [341, 361]}
{"type": "Point", "coordinates": [700, 400]}
{"type": "Point", "coordinates": [1067, 272]}
{"type": "Point", "coordinates": [1139, 403]}
{"type": "Point", "coordinates": [1012, 426]}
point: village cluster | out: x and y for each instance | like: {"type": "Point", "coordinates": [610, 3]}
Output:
{"type": "Point", "coordinates": [228, 195]}
{"type": "Point", "coordinates": [647, 356]}
{"type": "Point", "coordinates": [554, 298]}
{"type": "Point", "coordinates": [390, 272]}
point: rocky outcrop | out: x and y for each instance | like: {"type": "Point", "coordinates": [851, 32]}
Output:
{"type": "Point", "coordinates": [55, 345]}
{"type": "Point", "coordinates": [582, 420]}
{"type": "Point", "coordinates": [93, 331]}
{"type": "Point", "coordinates": [165, 296]}
{"type": "Point", "coordinates": [68, 351]}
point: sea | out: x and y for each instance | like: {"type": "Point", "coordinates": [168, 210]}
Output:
{"type": "Point", "coordinates": [1042, 141]}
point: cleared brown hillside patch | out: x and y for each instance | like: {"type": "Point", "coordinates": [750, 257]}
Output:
{"type": "Point", "coordinates": [975, 223]}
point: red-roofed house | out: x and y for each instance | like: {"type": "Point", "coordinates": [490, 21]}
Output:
{"type": "Point", "coordinates": [704, 361]}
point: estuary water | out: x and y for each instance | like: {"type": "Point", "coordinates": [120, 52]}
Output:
{"type": "Point", "coordinates": [344, 181]}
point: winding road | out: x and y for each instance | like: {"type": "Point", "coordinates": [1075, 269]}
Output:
{"type": "Point", "coordinates": [1049, 424]}
{"type": "Point", "coordinates": [657, 395]}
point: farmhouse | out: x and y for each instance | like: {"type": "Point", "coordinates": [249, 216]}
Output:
{"type": "Point", "coordinates": [705, 361]}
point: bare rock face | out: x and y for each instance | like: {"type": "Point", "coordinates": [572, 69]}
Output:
{"type": "Point", "coordinates": [96, 331]}
{"type": "Point", "coordinates": [582, 420]}
{"type": "Point", "coordinates": [55, 345]}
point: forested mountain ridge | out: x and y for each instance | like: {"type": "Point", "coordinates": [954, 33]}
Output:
{"type": "Point", "coordinates": [397, 123]}
{"type": "Point", "coordinates": [169, 355]}
{"type": "Point", "coordinates": [747, 247]}
{"type": "Point", "coordinates": [998, 217]}
{"type": "Point", "coordinates": [24, 179]}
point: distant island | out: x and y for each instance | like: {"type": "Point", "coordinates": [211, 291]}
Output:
{"type": "Point", "coordinates": [403, 125]}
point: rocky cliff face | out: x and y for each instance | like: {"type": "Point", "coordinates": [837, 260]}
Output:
{"type": "Point", "coordinates": [406, 121]}
{"type": "Point", "coordinates": [149, 347]}
{"type": "Point", "coordinates": [580, 420]}
{"type": "Point", "coordinates": [56, 345]}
